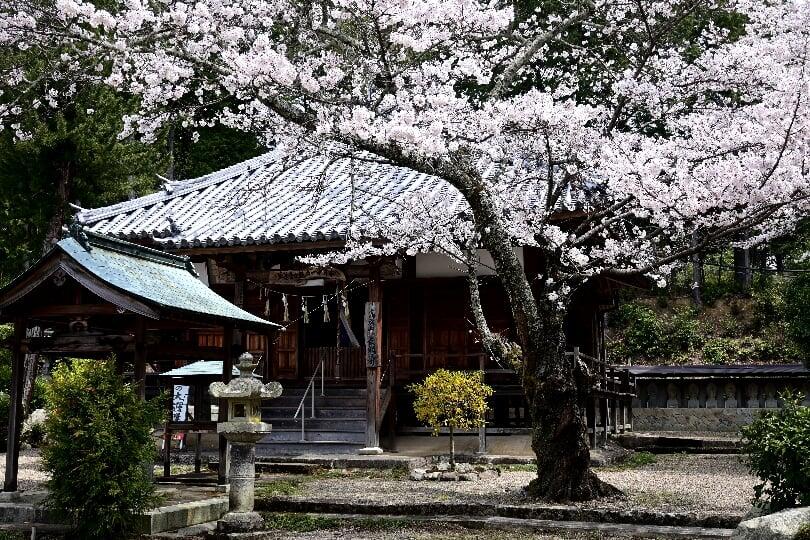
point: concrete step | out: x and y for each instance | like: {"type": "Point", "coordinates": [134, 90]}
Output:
{"type": "Point", "coordinates": [318, 424]}
{"type": "Point", "coordinates": [292, 448]}
{"type": "Point", "coordinates": [294, 435]}
{"type": "Point", "coordinates": [347, 413]}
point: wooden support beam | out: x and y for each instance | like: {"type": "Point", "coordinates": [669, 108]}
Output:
{"type": "Point", "coordinates": [167, 436]}
{"type": "Point", "coordinates": [227, 372]}
{"type": "Point", "coordinates": [75, 309]}
{"type": "Point", "coordinates": [374, 350]}
{"type": "Point", "coordinates": [140, 358]}
{"type": "Point", "coordinates": [15, 411]}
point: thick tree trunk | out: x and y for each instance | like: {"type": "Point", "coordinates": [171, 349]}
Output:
{"type": "Point", "coordinates": [555, 388]}
{"type": "Point", "coordinates": [559, 432]}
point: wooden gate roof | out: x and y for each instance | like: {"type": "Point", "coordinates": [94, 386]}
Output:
{"type": "Point", "coordinates": [136, 279]}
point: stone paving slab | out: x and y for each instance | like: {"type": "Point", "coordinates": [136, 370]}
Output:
{"type": "Point", "coordinates": [522, 512]}
{"type": "Point", "coordinates": [473, 523]}
{"type": "Point", "coordinates": [634, 530]}
{"type": "Point", "coordinates": [178, 516]}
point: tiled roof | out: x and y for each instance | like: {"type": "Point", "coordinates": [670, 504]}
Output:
{"type": "Point", "coordinates": [262, 202]}
{"type": "Point", "coordinates": [792, 370]}
{"type": "Point", "coordinates": [159, 280]}
{"type": "Point", "coordinates": [204, 368]}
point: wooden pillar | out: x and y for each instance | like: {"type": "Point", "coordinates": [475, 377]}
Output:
{"type": "Point", "coordinates": [167, 435]}
{"type": "Point", "coordinates": [269, 368]}
{"type": "Point", "coordinates": [227, 369]}
{"type": "Point", "coordinates": [603, 414]}
{"type": "Point", "coordinates": [140, 358]}
{"type": "Point", "coordinates": [373, 336]}
{"type": "Point", "coordinates": [15, 410]}
{"type": "Point", "coordinates": [239, 336]}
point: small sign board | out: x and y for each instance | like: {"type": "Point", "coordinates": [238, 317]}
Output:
{"type": "Point", "coordinates": [370, 331]}
{"type": "Point", "coordinates": [180, 403]}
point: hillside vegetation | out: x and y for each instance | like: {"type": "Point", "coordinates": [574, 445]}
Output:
{"type": "Point", "coordinates": [764, 324]}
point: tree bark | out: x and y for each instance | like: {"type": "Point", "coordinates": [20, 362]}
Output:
{"type": "Point", "coordinates": [63, 181]}
{"type": "Point", "coordinates": [561, 386]}
{"type": "Point", "coordinates": [555, 388]}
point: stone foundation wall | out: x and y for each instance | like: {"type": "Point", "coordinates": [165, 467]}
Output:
{"type": "Point", "coordinates": [685, 419]}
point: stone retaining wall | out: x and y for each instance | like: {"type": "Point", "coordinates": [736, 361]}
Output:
{"type": "Point", "coordinates": [685, 419]}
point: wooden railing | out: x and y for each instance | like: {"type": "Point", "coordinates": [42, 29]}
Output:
{"type": "Point", "coordinates": [411, 367]}
{"type": "Point", "coordinates": [610, 404]}
{"type": "Point", "coordinates": [347, 364]}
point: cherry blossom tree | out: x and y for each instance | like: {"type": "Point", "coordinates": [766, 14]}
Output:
{"type": "Point", "coordinates": [617, 137]}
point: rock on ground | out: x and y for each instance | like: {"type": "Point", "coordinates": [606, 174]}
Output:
{"type": "Point", "coordinates": [782, 525]}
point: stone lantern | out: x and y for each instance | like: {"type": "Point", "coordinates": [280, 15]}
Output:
{"type": "Point", "coordinates": [243, 429]}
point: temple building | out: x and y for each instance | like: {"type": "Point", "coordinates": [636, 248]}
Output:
{"type": "Point", "coordinates": [359, 332]}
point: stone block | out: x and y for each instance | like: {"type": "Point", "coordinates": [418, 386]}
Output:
{"type": "Point", "coordinates": [782, 525]}
{"type": "Point", "coordinates": [692, 419]}
{"type": "Point", "coordinates": [693, 404]}
{"type": "Point", "coordinates": [711, 403]}
{"type": "Point", "coordinates": [771, 404]}
{"type": "Point", "coordinates": [731, 403]}
{"type": "Point", "coordinates": [672, 404]}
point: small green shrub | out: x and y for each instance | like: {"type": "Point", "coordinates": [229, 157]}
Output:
{"type": "Point", "coordinates": [98, 444]}
{"type": "Point", "coordinates": [711, 292]}
{"type": "Point", "coordinates": [716, 351]}
{"type": "Point", "coordinates": [684, 331]}
{"type": "Point", "coordinates": [778, 448]}
{"type": "Point", "coordinates": [643, 335]}
{"type": "Point", "coordinates": [453, 399]}
{"type": "Point", "coordinates": [768, 305]}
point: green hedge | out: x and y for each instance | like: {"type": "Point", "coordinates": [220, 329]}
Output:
{"type": "Point", "coordinates": [98, 446]}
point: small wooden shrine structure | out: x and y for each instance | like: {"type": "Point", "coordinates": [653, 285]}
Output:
{"type": "Point", "coordinates": [93, 296]}
{"type": "Point", "coordinates": [196, 378]}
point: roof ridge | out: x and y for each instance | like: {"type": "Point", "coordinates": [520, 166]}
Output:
{"type": "Point", "coordinates": [111, 243]}
{"type": "Point", "coordinates": [175, 189]}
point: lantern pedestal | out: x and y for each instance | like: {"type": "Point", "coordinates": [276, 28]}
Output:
{"type": "Point", "coordinates": [242, 437]}
{"type": "Point", "coordinates": [243, 430]}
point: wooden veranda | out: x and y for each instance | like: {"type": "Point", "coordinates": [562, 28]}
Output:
{"type": "Point", "coordinates": [93, 296]}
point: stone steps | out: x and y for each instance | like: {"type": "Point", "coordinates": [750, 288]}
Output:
{"type": "Point", "coordinates": [339, 425]}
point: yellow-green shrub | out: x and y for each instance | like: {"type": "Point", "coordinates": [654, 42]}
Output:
{"type": "Point", "coordinates": [452, 399]}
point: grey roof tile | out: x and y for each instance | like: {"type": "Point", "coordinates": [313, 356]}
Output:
{"type": "Point", "coordinates": [260, 202]}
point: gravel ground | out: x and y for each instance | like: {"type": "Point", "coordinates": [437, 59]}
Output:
{"type": "Point", "coordinates": [30, 476]}
{"type": "Point", "coordinates": [705, 484]}
{"type": "Point", "coordinates": [687, 482]}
